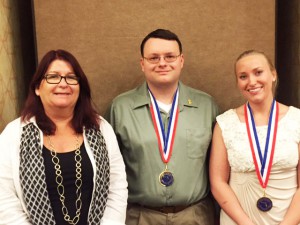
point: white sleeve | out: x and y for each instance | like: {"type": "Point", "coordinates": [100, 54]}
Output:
{"type": "Point", "coordinates": [11, 210]}
{"type": "Point", "coordinates": [115, 212]}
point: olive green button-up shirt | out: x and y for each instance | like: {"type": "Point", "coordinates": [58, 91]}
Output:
{"type": "Point", "coordinates": [130, 117]}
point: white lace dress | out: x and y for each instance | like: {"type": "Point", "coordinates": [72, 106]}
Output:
{"type": "Point", "coordinates": [243, 180]}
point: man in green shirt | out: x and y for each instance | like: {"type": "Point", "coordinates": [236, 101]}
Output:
{"type": "Point", "coordinates": [164, 130]}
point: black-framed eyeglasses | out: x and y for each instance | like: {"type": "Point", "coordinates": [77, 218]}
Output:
{"type": "Point", "coordinates": [167, 58]}
{"type": "Point", "coordinates": [55, 78]}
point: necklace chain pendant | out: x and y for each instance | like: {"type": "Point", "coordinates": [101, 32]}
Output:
{"type": "Point", "coordinates": [59, 181]}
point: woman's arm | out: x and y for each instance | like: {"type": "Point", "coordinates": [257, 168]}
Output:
{"type": "Point", "coordinates": [11, 210]}
{"type": "Point", "coordinates": [219, 172]}
{"type": "Point", "coordinates": [115, 212]}
{"type": "Point", "coordinates": [292, 216]}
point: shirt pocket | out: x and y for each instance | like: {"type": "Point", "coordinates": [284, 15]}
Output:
{"type": "Point", "coordinates": [197, 141]}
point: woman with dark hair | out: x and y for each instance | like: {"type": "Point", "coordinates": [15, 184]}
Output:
{"type": "Point", "coordinates": [60, 162]}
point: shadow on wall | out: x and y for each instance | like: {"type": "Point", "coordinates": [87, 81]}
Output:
{"type": "Point", "coordinates": [288, 52]}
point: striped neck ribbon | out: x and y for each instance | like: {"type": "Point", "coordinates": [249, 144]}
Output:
{"type": "Point", "coordinates": [165, 140]}
{"type": "Point", "coordinates": [262, 160]}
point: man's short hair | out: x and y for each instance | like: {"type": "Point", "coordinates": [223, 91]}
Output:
{"type": "Point", "coordinates": [162, 34]}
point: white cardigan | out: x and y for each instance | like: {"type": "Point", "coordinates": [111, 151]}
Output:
{"type": "Point", "coordinates": [12, 206]}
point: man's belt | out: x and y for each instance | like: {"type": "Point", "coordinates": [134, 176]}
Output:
{"type": "Point", "coordinates": [165, 209]}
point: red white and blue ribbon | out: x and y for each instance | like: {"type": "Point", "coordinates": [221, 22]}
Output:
{"type": "Point", "coordinates": [165, 140]}
{"type": "Point", "coordinates": [262, 160]}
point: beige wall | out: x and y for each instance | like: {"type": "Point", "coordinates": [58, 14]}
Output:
{"type": "Point", "coordinates": [105, 37]}
{"type": "Point", "coordinates": [11, 74]}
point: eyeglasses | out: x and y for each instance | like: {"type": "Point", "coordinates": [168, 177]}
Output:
{"type": "Point", "coordinates": [167, 58]}
{"type": "Point", "coordinates": [55, 78]}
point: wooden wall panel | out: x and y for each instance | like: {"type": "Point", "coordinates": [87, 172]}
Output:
{"type": "Point", "coordinates": [105, 36]}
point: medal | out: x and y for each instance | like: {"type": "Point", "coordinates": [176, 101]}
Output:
{"type": "Point", "coordinates": [262, 162]}
{"type": "Point", "coordinates": [165, 139]}
{"type": "Point", "coordinates": [166, 177]}
{"type": "Point", "coordinates": [264, 204]}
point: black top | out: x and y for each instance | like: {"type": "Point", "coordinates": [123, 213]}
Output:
{"type": "Point", "coordinates": [68, 168]}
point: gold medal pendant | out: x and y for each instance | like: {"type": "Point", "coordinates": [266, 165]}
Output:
{"type": "Point", "coordinates": [166, 177]}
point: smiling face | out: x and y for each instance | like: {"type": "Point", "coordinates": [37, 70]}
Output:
{"type": "Point", "coordinates": [161, 73]}
{"type": "Point", "coordinates": [61, 95]}
{"type": "Point", "coordinates": [255, 78]}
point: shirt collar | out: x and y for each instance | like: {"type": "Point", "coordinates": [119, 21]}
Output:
{"type": "Point", "coordinates": [142, 97]}
{"type": "Point", "coordinates": [31, 120]}
{"type": "Point", "coordinates": [186, 98]}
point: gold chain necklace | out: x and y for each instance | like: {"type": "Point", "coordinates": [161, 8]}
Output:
{"type": "Point", "coordinates": [59, 181]}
